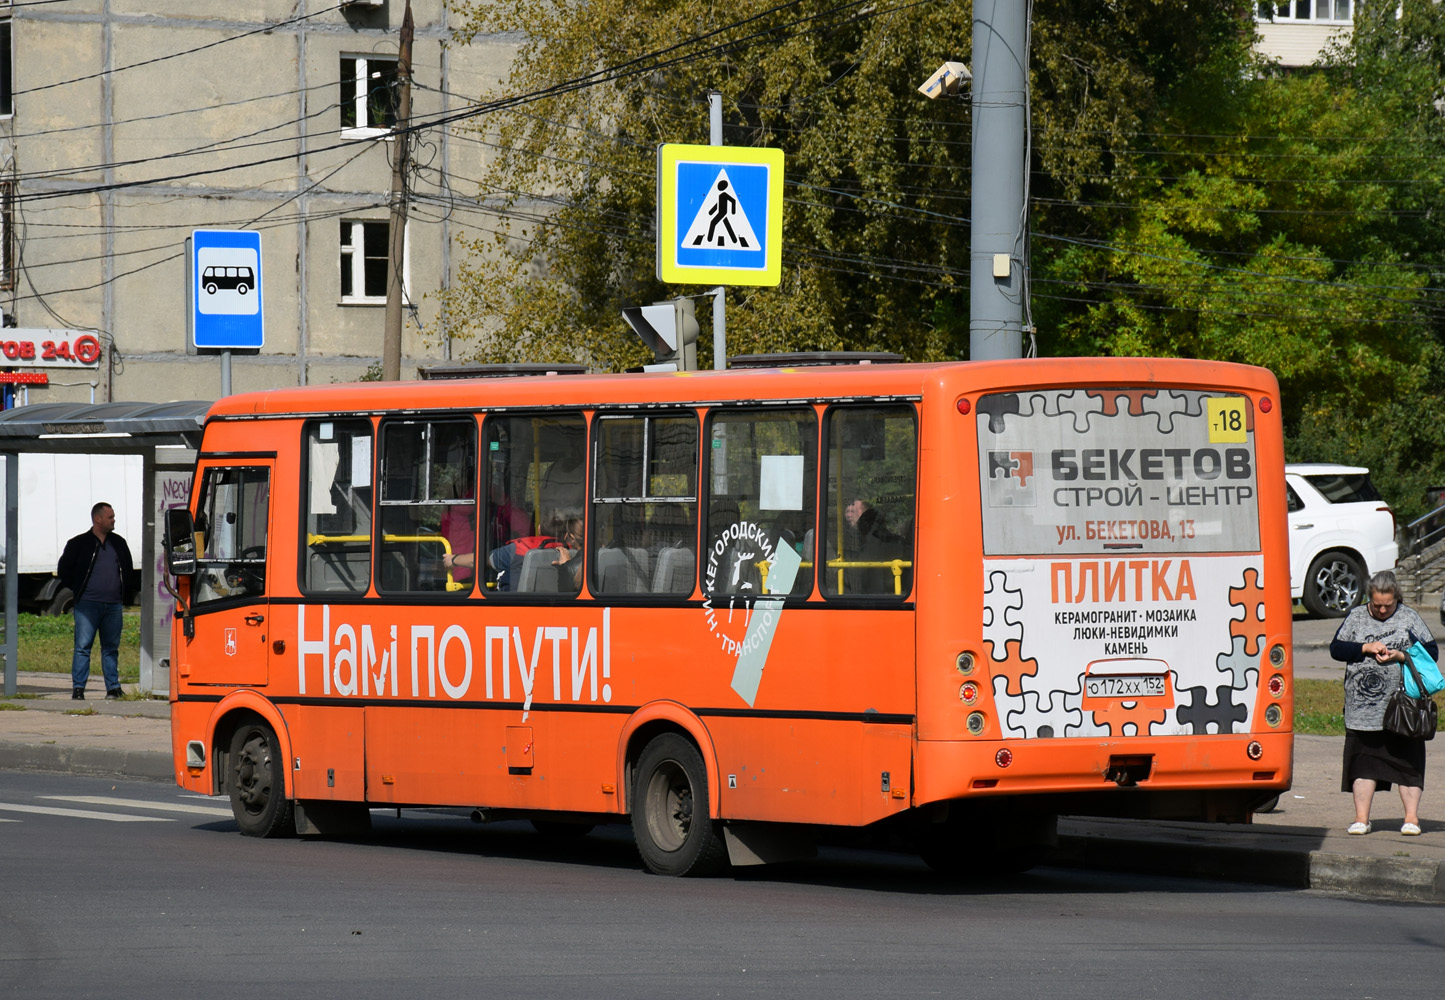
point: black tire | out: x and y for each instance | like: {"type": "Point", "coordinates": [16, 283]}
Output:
{"type": "Point", "coordinates": [242, 289]}
{"type": "Point", "coordinates": [1334, 584]}
{"type": "Point", "coordinates": [211, 288]}
{"type": "Point", "coordinates": [257, 783]}
{"type": "Point", "coordinates": [670, 821]}
{"type": "Point", "coordinates": [60, 604]}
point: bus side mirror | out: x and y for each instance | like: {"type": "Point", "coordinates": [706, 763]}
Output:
{"type": "Point", "coordinates": [180, 542]}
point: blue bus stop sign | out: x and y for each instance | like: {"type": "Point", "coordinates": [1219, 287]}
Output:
{"type": "Point", "coordinates": [225, 289]}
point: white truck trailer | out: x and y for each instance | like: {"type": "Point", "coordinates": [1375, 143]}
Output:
{"type": "Point", "coordinates": [56, 494]}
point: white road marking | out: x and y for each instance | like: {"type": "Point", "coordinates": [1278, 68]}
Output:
{"type": "Point", "coordinates": [82, 814]}
{"type": "Point", "coordinates": [102, 800]}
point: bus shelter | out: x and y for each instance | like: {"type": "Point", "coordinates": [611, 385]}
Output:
{"type": "Point", "coordinates": [166, 436]}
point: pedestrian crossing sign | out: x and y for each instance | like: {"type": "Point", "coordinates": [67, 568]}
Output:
{"type": "Point", "coordinates": [719, 215]}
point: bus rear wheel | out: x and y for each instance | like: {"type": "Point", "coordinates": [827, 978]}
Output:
{"type": "Point", "coordinates": [256, 783]}
{"type": "Point", "coordinates": [670, 821]}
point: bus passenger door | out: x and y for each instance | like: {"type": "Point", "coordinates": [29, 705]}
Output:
{"type": "Point", "coordinates": [228, 593]}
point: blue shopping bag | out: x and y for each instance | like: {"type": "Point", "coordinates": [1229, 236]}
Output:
{"type": "Point", "coordinates": [1428, 669]}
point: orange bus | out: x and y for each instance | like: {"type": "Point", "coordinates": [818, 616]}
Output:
{"type": "Point", "coordinates": [939, 604]}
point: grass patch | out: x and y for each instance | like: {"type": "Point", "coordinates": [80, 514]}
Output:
{"type": "Point", "coordinates": [6, 706]}
{"type": "Point", "coordinates": [81, 711]}
{"type": "Point", "coordinates": [47, 641]}
{"type": "Point", "coordinates": [1319, 707]}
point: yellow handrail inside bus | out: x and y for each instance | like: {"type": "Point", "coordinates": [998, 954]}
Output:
{"type": "Point", "coordinates": [312, 540]}
{"type": "Point", "coordinates": [896, 565]}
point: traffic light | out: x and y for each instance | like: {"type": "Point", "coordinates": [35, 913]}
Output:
{"type": "Point", "coordinates": [669, 329]}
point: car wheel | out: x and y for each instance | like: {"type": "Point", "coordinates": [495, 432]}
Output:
{"type": "Point", "coordinates": [1334, 584]}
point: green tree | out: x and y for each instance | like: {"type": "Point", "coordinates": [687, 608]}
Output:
{"type": "Point", "coordinates": [876, 213]}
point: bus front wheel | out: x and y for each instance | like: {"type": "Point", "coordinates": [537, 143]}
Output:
{"type": "Point", "coordinates": [256, 783]}
{"type": "Point", "coordinates": [670, 821]}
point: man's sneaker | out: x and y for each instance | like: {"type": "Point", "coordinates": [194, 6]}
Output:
{"type": "Point", "coordinates": [78, 694]}
{"type": "Point", "coordinates": [114, 694]}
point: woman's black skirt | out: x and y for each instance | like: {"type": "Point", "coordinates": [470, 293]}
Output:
{"type": "Point", "coordinates": [1385, 757]}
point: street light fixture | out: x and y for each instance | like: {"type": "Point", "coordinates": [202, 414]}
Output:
{"type": "Point", "coordinates": [949, 79]}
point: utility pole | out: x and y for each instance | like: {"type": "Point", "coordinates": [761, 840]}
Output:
{"type": "Point", "coordinates": [720, 293]}
{"type": "Point", "coordinates": [998, 264]}
{"type": "Point", "coordinates": [400, 163]}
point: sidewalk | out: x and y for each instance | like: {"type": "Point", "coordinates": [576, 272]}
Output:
{"type": "Point", "coordinates": [1302, 844]}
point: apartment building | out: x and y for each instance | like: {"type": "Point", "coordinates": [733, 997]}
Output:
{"type": "Point", "coordinates": [127, 124]}
{"type": "Point", "coordinates": [1296, 32]}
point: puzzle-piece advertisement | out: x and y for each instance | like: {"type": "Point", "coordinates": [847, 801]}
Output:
{"type": "Point", "coordinates": [1158, 654]}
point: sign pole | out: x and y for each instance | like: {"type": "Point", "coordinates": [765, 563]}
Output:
{"type": "Point", "coordinates": [719, 295]}
{"type": "Point", "coordinates": [225, 373]}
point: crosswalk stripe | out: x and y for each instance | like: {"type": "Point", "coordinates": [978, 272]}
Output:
{"type": "Point", "coordinates": [82, 814]}
{"type": "Point", "coordinates": [103, 800]}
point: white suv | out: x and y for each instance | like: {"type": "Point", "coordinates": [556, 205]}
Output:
{"type": "Point", "coordinates": [1340, 533]}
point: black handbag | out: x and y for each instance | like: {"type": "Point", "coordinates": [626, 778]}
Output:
{"type": "Point", "coordinates": [1416, 718]}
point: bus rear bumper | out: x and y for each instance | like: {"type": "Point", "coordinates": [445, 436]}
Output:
{"type": "Point", "coordinates": [1179, 777]}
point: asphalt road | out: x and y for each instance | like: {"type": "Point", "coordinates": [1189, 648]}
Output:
{"type": "Point", "coordinates": [435, 906]}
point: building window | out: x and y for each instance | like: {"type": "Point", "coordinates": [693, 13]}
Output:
{"type": "Point", "coordinates": [7, 83]}
{"type": "Point", "coordinates": [7, 235]}
{"type": "Point", "coordinates": [1333, 11]}
{"type": "Point", "coordinates": [365, 250]}
{"type": "Point", "coordinates": [370, 95]}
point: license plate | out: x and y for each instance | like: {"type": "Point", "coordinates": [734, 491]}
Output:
{"type": "Point", "coordinates": [1124, 685]}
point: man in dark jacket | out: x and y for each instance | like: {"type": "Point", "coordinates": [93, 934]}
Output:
{"type": "Point", "coordinates": [94, 566]}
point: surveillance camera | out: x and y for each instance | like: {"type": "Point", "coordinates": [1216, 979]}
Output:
{"type": "Point", "coordinates": [947, 81]}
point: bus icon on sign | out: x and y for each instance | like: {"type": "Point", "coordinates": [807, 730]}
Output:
{"type": "Point", "coordinates": [226, 277]}
{"type": "Point", "coordinates": [215, 279]}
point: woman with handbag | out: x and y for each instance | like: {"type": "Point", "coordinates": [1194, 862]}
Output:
{"type": "Point", "coordinates": [1372, 641]}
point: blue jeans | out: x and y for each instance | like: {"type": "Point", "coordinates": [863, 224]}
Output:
{"type": "Point", "coordinates": [91, 617]}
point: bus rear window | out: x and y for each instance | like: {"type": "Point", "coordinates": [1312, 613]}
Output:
{"type": "Point", "coordinates": [1148, 470]}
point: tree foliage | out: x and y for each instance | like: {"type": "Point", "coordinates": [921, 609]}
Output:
{"type": "Point", "coordinates": [876, 213]}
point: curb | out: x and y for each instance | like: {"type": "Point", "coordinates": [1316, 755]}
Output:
{"type": "Point", "coordinates": [98, 762]}
{"type": "Point", "coordinates": [1415, 880]}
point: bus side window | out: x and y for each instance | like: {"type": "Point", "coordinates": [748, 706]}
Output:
{"type": "Point", "coordinates": [868, 522]}
{"type": "Point", "coordinates": [336, 545]}
{"type": "Point", "coordinates": [644, 504]}
{"type": "Point", "coordinates": [428, 506]}
{"type": "Point", "coordinates": [762, 500]}
{"type": "Point", "coordinates": [536, 489]}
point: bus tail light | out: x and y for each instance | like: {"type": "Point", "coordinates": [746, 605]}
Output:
{"type": "Point", "coordinates": [1265, 404]}
{"type": "Point", "coordinates": [1273, 715]}
{"type": "Point", "coordinates": [964, 406]}
{"type": "Point", "coordinates": [1255, 750]}
{"type": "Point", "coordinates": [1276, 685]}
{"type": "Point", "coordinates": [968, 692]}
{"type": "Point", "coordinates": [1004, 757]}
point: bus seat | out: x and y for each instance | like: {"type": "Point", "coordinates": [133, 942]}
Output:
{"type": "Point", "coordinates": [538, 575]}
{"type": "Point", "coordinates": [675, 573]}
{"type": "Point", "coordinates": [345, 570]}
{"type": "Point", "coordinates": [622, 570]}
